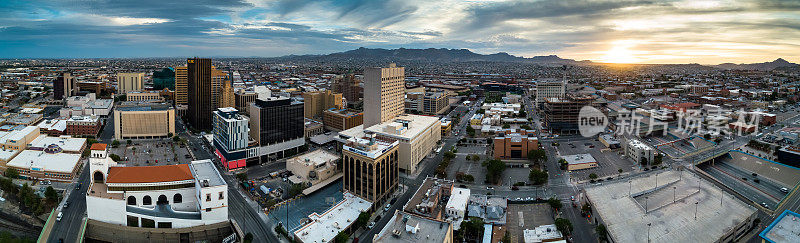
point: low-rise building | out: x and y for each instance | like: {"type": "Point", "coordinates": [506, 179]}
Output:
{"type": "Point", "coordinates": [339, 218]}
{"type": "Point", "coordinates": [143, 120]}
{"type": "Point", "coordinates": [543, 233]}
{"type": "Point", "coordinates": [87, 105]}
{"type": "Point", "coordinates": [144, 96]}
{"type": "Point", "coordinates": [342, 119]}
{"type": "Point", "coordinates": [168, 196]}
{"type": "Point", "coordinates": [405, 227]}
{"type": "Point", "coordinates": [315, 169]}
{"type": "Point", "coordinates": [637, 151]}
{"type": "Point", "coordinates": [785, 228]}
{"type": "Point", "coordinates": [609, 141]}
{"type": "Point", "coordinates": [312, 128]}
{"type": "Point", "coordinates": [579, 161]}
{"type": "Point", "coordinates": [513, 144]}
{"type": "Point", "coordinates": [447, 126]}
{"type": "Point", "coordinates": [370, 167]}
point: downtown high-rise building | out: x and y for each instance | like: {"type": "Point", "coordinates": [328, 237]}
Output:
{"type": "Point", "coordinates": [200, 99]}
{"type": "Point", "coordinates": [64, 86]}
{"type": "Point", "coordinates": [349, 86]}
{"type": "Point", "coordinates": [318, 102]}
{"type": "Point", "coordinates": [181, 86]}
{"type": "Point", "coordinates": [384, 91]}
{"type": "Point", "coordinates": [127, 82]}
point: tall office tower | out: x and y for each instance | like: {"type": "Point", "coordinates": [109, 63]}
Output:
{"type": "Point", "coordinates": [218, 77]}
{"type": "Point", "coordinates": [127, 82]}
{"type": "Point", "coordinates": [277, 124]}
{"type": "Point", "coordinates": [227, 99]}
{"type": "Point", "coordinates": [181, 86]}
{"type": "Point", "coordinates": [384, 89]}
{"type": "Point", "coordinates": [549, 88]}
{"type": "Point", "coordinates": [349, 86]}
{"type": "Point", "coordinates": [370, 168]}
{"type": "Point", "coordinates": [317, 102]}
{"type": "Point", "coordinates": [200, 98]}
{"type": "Point", "coordinates": [64, 86]}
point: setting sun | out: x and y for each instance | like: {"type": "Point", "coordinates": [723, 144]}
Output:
{"type": "Point", "coordinates": [620, 53]}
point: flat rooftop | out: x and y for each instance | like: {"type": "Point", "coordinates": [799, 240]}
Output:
{"type": "Point", "coordinates": [315, 158]}
{"type": "Point", "coordinates": [43, 161]}
{"type": "Point", "coordinates": [204, 170]}
{"type": "Point", "coordinates": [785, 228]}
{"type": "Point", "coordinates": [671, 221]}
{"type": "Point", "coordinates": [324, 227]}
{"type": "Point", "coordinates": [416, 125]}
{"type": "Point", "coordinates": [406, 227]}
{"type": "Point", "coordinates": [577, 159]}
{"type": "Point", "coordinates": [68, 144]}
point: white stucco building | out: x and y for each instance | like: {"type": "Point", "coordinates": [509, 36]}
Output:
{"type": "Point", "coordinates": [169, 196]}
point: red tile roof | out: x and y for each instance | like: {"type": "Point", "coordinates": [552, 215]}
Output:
{"type": "Point", "coordinates": [99, 146]}
{"type": "Point", "coordinates": [149, 174]}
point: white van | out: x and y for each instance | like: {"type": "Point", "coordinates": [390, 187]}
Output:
{"type": "Point", "coordinates": [60, 214]}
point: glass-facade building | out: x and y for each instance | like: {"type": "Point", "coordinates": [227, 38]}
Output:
{"type": "Point", "coordinates": [277, 120]}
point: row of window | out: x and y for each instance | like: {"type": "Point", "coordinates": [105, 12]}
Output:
{"type": "Point", "coordinates": [147, 200]}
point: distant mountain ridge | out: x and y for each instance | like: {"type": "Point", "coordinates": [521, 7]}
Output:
{"type": "Point", "coordinates": [437, 55]}
{"type": "Point", "coordinates": [764, 66]}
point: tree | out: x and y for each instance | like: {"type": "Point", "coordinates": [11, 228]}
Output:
{"type": "Point", "coordinates": [506, 126]}
{"type": "Point", "coordinates": [537, 177]}
{"type": "Point", "coordinates": [619, 170]}
{"type": "Point", "coordinates": [555, 203]}
{"type": "Point", "coordinates": [115, 143]}
{"type": "Point", "coordinates": [593, 176]}
{"type": "Point", "coordinates": [658, 159]}
{"type": "Point", "coordinates": [248, 237]}
{"type": "Point", "coordinates": [564, 225]}
{"type": "Point", "coordinates": [586, 208]}
{"type": "Point", "coordinates": [537, 155]}
{"type": "Point", "coordinates": [563, 164]}
{"type": "Point", "coordinates": [494, 169]}
{"type": "Point", "coordinates": [341, 237]}
{"type": "Point", "coordinates": [176, 139]}
{"type": "Point", "coordinates": [707, 136]}
{"type": "Point", "coordinates": [449, 155]}
{"type": "Point", "coordinates": [169, 134]}
{"type": "Point", "coordinates": [470, 131]}
{"type": "Point", "coordinates": [12, 173]}
{"type": "Point", "coordinates": [643, 161]}
{"type": "Point", "coordinates": [362, 220]}
{"type": "Point", "coordinates": [114, 157]}
{"type": "Point", "coordinates": [51, 195]}
{"type": "Point", "coordinates": [602, 232]}
{"type": "Point", "coordinates": [471, 229]}
{"type": "Point", "coordinates": [129, 142]}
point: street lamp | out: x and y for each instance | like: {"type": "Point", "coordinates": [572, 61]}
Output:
{"type": "Point", "coordinates": [645, 204]}
{"type": "Point", "coordinates": [695, 210]}
{"type": "Point", "coordinates": [629, 187]}
{"type": "Point", "coordinates": [674, 189]}
{"type": "Point", "coordinates": [656, 180]}
{"type": "Point", "coordinates": [648, 231]}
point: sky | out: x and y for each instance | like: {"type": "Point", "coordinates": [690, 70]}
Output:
{"type": "Point", "coordinates": [617, 31]}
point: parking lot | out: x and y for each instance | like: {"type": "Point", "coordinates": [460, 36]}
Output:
{"type": "Point", "coordinates": [608, 162]}
{"type": "Point", "coordinates": [146, 152]}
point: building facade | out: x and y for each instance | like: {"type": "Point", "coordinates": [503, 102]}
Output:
{"type": "Point", "coordinates": [514, 144]}
{"type": "Point", "coordinates": [342, 119]}
{"type": "Point", "coordinates": [384, 91]}
{"type": "Point", "coordinates": [64, 86]}
{"type": "Point", "coordinates": [148, 96]}
{"type": "Point", "coordinates": [143, 120]}
{"type": "Point", "coordinates": [315, 103]}
{"type": "Point", "coordinates": [276, 125]}
{"type": "Point", "coordinates": [200, 97]}
{"type": "Point", "coordinates": [370, 168]}
{"type": "Point", "coordinates": [243, 98]}
{"type": "Point", "coordinates": [127, 82]}
{"type": "Point", "coordinates": [549, 89]}
{"type": "Point", "coordinates": [181, 86]}
{"type": "Point", "coordinates": [169, 196]}
{"type": "Point", "coordinates": [637, 151]}
{"type": "Point", "coordinates": [349, 86]}
{"type": "Point", "coordinates": [561, 114]}
{"type": "Point", "coordinates": [435, 102]}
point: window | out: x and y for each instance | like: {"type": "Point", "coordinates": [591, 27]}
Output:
{"type": "Point", "coordinates": [147, 200]}
{"type": "Point", "coordinates": [132, 201]}
{"type": "Point", "coordinates": [208, 197]}
{"type": "Point", "coordinates": [221, 195]}
{"type": "Point", "coordinates": [177, 198]}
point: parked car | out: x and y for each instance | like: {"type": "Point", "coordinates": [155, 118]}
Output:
{"type": "Point", "coordinates": [386, 209]}
{"type": "Point", "coordinates": [371, 224]}
{"type": "Point", "coordinates": [60, 215]}
{"type": "Point", "coordinates": [784, 189]}
{"type": "Point", "coordinates": [489, 188]}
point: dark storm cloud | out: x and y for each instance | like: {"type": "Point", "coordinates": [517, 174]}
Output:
{"type": "Point", "coordinates": [168, 9]}
{"type": "Point", "coordinates": [490, 14]}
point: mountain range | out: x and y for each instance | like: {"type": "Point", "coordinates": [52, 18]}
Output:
{"type": "Point", "coordinates": [465, 55]}
{"type": "Point", "coordinates": [434, 55]}
{"type": "Point", "coordinates": [764, 66]}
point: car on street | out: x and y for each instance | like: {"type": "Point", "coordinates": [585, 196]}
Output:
{"type": "Point", "coordinates": [489, 188]}
{"type": "Point", "coordinates": [784, 189]}
{"type": "Point", "coordinates": [765, 205]}
{"type": "Point", "coordinates": [386, 209]}
{"type": "Point", "coordinates": [371, 224]}
{"type": "Point", "coordinates": [60, 215]}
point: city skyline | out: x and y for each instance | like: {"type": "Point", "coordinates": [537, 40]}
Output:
{"type": "Point", "coordinates": [705, 32]}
